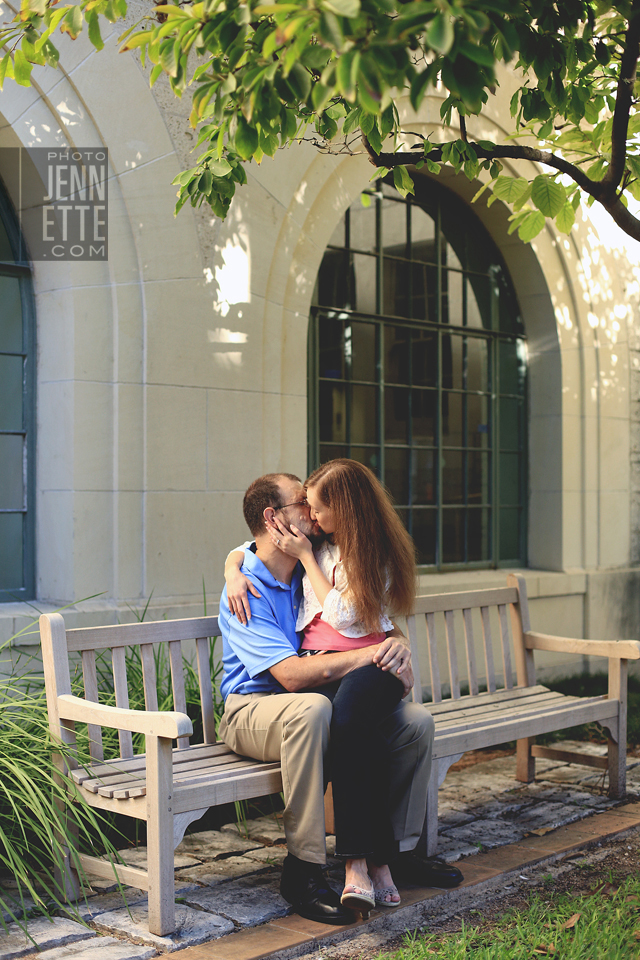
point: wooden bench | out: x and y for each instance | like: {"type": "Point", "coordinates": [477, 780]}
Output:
{"type": "Point", "coordinates": [508, 711]}
{"type": "Point", "coordinates": [167, 787]}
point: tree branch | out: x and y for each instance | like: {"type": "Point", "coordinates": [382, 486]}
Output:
{"type": "Point", "coordinates": [610, 201]}
{"type": "Point", "coordinates": [624, 99]}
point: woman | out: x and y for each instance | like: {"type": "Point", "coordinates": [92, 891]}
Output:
{"type": "Point", "coordinates": [364, 568]}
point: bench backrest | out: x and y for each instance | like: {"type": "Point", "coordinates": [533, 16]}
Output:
{"type": "Point", "coordinates": [107, 654]}
{"type": "Point", "coordinates": [488, 609]}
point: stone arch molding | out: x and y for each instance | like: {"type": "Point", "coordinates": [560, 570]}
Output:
{"type": "Point", "coordinates": [551, 307]}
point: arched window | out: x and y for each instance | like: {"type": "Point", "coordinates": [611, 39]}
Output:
{"type": "Point", "coordinates": [417, 368]}
{"type": "Point", "coordinates": [17, 413]}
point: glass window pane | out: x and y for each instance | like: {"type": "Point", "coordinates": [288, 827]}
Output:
{"type": "Point", "coordinates": [453, 476]}
{"type": "Point", "coordinates": [511, 367]}
{"type": "Point", "coordinates": [394, 228]}
{"type": "Point", "coordinates": [396, 474]}
{"type": "Point", "coordinates": [423, 234]}
{"type": "Point", "coordinates": [364, 273]}
{"type": "Point", "coordinates": [364, 419]}
{"type": "Point", "coordinates": [338, 237]}
{"type": "Point", "coordinates": [396, 354]}
{"type": "Point", "coordinates": [11, 472]}
{"type": "Point", "coordinates": [333, 413]}
{"type": "Point", "coordinates": [11, 373]}
{"type": "Point", "coordinates": [450, 257]}
{"type": "Point", "coordinates": [477, 364]}
{"type": "Point", "coordinates": [477, 420]}
{"type": "Point", "coordinates": [331, 451]}
{"type": "Point", "coordinates": [361, 343]}
{"type": "Point", "coordinates": [395, 282]}
{"type": "Point", "coordinates": [509, 478]}
{"type": "Point", "coordinates": [6, 253]}
{"type": "Point", "coordinates": [509, 423]}
{"type": "Point", "coordinates": [10, 315]}
{"type": "Point", "coordinates": [478, 489]}
{"type": "Point", "coordinates": [11, 555]}
{"type": "Point", "coordinates": [424, 411]}
{"type": "Point", "coordinates": [423, 476]}
{"type": "Point", "coordinates": [424, 535]}
{"type": "Point", "coordinates": [362, 226]}
{"type": "Point", "coordinates": [479, 302]}
{"type": "Point", "coordinates": [477, 535]}
{"type": "Point", "coordinates": [330, 338]}
{"type": "Point", "coordinates": [334, 280]}
{"type": "Point", "coordinates": [453, 535]}
{"type": "Point", "coordinates": [452, 435]}
{"type": "Point", "coordinates": [510, 522]}
{"type": "Point", "coordinates": [365, 455]}
{"type": "Point", "coordinates": [424, 358]}
{"type": "Point", "coordinates": [452, 311]}
{"type": "Point", "coordinates": [396, 414]}
{"type": "Point", "coordinates": [452, 361]}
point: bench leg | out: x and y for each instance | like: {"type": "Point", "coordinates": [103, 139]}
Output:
{"type": "Point", "coordinates": [617, 752]}
{"type": "Point", "coordinates": [162, 902]}
{"type": "Point", "coordinates": [525, 762]}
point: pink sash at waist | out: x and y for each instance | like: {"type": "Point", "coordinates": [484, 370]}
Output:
{"type": "Point", "coordinates": [318, 635]}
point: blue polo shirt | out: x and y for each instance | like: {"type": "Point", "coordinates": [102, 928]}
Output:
{"type": "Point", "coordinates": [270, 635]}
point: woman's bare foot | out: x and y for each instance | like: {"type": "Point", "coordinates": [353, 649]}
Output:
{"type": "Point", "coordinates": [383, 885]}
{"type": "Point", "coordinates": [356, 873]}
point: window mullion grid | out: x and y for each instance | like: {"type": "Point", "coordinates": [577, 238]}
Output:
{"type": "Point", "coordinates": [380, 328]}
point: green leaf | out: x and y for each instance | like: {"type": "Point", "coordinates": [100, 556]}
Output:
{"type": "Point", "coordinates": [169, 51]}
{"type": "Point", "coordinates": [22, 69]}
{"type": "Point", "coordinates": [419, 86]}
{"type": "Point", "coordinates": [510, 189]}
{"type": "Point", "coordinates": [440, 34]}
{"type": "Point", "coordinates": [532, 223]}
{"type": "Point", "coordinates": [548, 195]}
{"type": "Point", "coordinates": [72, 24]}
{"type": "Point", "coordinates": [342, 8]}
{"type": "Point", "coordinates": [246, 139]}
{"type": "Point", "coordinates": [6, 68]}
{"type": "Point", "coordinates": [480, 55]}
{"type": "Point", "coordinates": [94, 30]}
{"type": "Point", "coordinates": [433, 167]}
{"type": "Point", "coordinates": [220, 168]}
{"type": "Point", "coordinates": [566, 218]}
{"type": "Point", "coordinates": [402, 181]}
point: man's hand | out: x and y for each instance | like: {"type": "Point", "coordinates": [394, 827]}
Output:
{"type": "Point", "coordinates": [238, 588]}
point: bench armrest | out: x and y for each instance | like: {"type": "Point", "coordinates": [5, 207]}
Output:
{"type": "Point", "coordinates": [615, 649]}
{"type": "Point", "coordinates": [154, 723]}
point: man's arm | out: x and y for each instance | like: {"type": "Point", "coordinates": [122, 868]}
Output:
{"type": "Point", "coordinates": [304, 673]}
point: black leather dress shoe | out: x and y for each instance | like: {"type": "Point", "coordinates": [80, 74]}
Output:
{"type": "Point", "coordinates": [425, 871]}
{"type": "Point", "coordinates": [303, 886]}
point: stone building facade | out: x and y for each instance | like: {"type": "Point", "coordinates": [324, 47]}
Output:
{"type": "Point", "coordinates": [167, 378]}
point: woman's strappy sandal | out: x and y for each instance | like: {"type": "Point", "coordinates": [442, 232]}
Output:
{"type": "Point", "coordinates": [381, 893]}
{"type": "Point", "coordinates": [358, 899]}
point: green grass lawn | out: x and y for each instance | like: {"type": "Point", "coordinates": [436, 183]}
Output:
{"type": "Point", "coordinates": [604, 925]}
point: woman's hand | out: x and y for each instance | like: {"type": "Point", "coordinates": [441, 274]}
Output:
{"type": "Point", "coordinates": [238, 587]}
{"type": "Point", "coordinates": [292, 542]}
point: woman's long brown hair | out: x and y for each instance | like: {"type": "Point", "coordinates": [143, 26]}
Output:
{"type": "Point", "coordinates": [374, 546]}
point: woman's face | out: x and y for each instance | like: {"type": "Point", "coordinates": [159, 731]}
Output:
{"type": "Point", "coordinates": [320, 512]}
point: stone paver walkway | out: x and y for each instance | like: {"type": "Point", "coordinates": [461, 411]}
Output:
{"type": "Point", "coordinates": [227, 882]}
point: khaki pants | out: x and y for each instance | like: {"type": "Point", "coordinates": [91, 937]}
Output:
{"type": "Point", "coordinates": [294, 729]}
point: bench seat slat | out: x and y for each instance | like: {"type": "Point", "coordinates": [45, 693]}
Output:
{"type": "Point", "coordinates": [475, 711]}
{"type": "Point", "coordinates": [449, 744]}
{"type": "Point", "coordinates": [117, 777]}
{"type": "Point", "coordinates": [500, 696]}
{"type": "Point", "coordinates": [494, 716]}
{"type": "Point", "coordinates": [257, 783]}
{"type": "Point", "coordinates": [138, 762]}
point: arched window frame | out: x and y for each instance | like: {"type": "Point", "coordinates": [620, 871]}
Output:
{"type": "Point", "coordinates": [502, 343]}
{"type": "Point", "coordinates": [19, 268]}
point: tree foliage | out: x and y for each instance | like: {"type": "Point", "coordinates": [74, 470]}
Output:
{"type": "Point", "coordinates": [263, 74]}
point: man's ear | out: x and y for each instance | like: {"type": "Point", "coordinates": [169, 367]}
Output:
{"type": "Point", "coordinates": [269, 516]}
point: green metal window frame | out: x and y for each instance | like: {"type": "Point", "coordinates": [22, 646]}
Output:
{"type": "Point", "coordinates": [18, 267]}
{"type": "Point", "coordinates": [503, 348]}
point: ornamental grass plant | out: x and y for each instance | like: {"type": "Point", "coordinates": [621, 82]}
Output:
{"type": "Point", "coordinates": [37, 822]}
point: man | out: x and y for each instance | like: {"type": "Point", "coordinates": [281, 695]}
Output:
{"type": "Point", "coordinates": [271, 715]}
